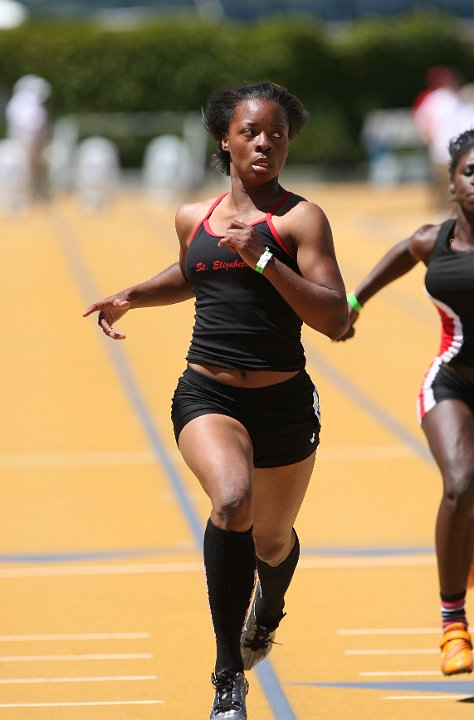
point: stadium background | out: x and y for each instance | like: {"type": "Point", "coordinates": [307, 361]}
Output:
{"type": "Point", "coordinates": [104, 613]}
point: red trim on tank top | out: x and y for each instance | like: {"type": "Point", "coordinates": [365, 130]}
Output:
{"type": "Point", "coordinates": [279, 203]}
{"type": "Point", "coordinates": [271, 226]}
{"type": "Point", "coordinates": [206, 216]}
{"type": "Point", "coordinates": [278, 239]}
{"type": "Point", "coordinates": [267, 219]}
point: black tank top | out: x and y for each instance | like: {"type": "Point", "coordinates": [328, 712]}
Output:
{"type": "Point", "coordinates": [240, 320]}
{"type": "Point", "coordinates": [449, 282]}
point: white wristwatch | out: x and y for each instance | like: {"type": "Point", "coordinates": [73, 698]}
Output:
{"type": "Point", "coordinates": [263, 260]}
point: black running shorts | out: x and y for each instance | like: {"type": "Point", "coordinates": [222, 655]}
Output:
{"type": "Point", "coordinates": [441, 383]}
{"type": "Point", "coordinates": [283, 420]}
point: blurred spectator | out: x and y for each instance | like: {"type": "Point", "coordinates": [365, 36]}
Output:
{"type": "Point", "coordinates": [15, 197]}
{"type": "Point", "coordinates": [440, 112]}
{"type": "Point", "coordinates": [466, 114]}
{"type": "Point", "coordinates": [434, 114]}
{"type": "Point", "coordinates": [438, 77]}
{"type": "Point", "coordinates": [27, 124]}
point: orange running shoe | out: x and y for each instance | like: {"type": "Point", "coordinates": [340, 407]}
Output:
{"type": "Point", "coordinates": [470, 580]}
{"type": "Point", "coordinates": [456, 650]}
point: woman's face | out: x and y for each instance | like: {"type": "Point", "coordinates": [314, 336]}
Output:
{"type": "Point", "coordinates": [462, 183]}
{"type": "Point", "coordinates": [257, 140]}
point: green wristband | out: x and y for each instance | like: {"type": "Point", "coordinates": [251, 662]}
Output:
{"type": "Point", "coordinates": [353, 302]}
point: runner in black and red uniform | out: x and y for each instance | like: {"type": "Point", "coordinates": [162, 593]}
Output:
{"type": "Point", "coordinates": [260, 261]}
{"type": "Point", "coordinates": [446, 399]}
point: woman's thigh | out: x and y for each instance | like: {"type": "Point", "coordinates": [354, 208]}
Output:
{"type": "Point", "coordinates": [218, 450]}
{"type": "Point", "coordinates": [449, 429]}
{"type": "Point", "coordinates": [277, 497]}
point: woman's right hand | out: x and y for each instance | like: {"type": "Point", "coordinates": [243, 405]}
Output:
{"type": "Point", "coordinates": [110, 310]}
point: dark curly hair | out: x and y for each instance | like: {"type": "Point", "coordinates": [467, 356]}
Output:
{"type": "Point", "coordinates": [458, 147]}
{"type": "Point", "coordinates": [220, 109]}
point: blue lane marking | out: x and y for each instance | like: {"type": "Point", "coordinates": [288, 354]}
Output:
{"type": "Point", "coordinates": [78, 268]}
{"type": "Point", "coordinates": [463, 687]}
{"type": "Point", "coordinates": [366, 403]}
{"type": "Point", "coordinates": [141, 409]}
{"type": "Point", "coordinates": [84, 555]}
{"type": "Point", "coordinates": [273, 692]}
{"type": "Point", "coordinates": [81, 275]}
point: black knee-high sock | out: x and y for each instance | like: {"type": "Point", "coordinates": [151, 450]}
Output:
{"type": "Point", "coordinates": [274, 582]}
{"type": "Point", "coordinates": [229, 559]}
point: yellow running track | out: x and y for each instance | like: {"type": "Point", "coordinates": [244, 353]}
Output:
{"type": "Point", "coordinates": [103, 604]}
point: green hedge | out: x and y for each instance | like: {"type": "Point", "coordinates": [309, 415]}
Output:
{"type": "Point", "coordinates": [174, 64]}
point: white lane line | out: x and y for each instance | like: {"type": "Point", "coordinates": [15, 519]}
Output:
{"type": "Point", "coordinates": [192, 567]}
{"type": "Point", "coordinates": [81, 704]}
{"type": "Point", "coordinates": [147, 457]}
{"type": "Point", "coordinates": [96, 656]}
{"type": "Point", "coordinates": [93, 678]}
{"type": "Point", "coordinates": [389, 631]}
{"type": "Point", "coordinates": [402, 651]}
{"type": "Point", "coordinates": [427, 697]}
{"type": "Point", "coordinates": [76, 636]}
{"type": "Point", "coordinates": [377, 561]}
{"type": "Point", "coordinates": [400, 673]}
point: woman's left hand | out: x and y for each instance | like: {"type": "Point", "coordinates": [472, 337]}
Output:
{"type": "Point", "coordinates": [350, 332]}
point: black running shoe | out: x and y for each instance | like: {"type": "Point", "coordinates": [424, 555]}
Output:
{"type": "Point", "coordinates": [229, 700]}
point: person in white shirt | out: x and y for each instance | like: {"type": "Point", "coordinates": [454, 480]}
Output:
{"type": "Point", "coordinates": [27, 119]}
